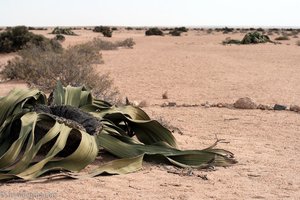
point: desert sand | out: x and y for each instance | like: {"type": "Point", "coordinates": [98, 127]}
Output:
{"type": "Point", "coordinates": [196, 68]}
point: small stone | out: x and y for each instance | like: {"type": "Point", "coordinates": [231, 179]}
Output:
{"type": "Point", "coordinates": [279, 107]}
{"type": "Point", "coordinates": [245, 103]}
{"type": "Point", "coordinates": [295, 108]}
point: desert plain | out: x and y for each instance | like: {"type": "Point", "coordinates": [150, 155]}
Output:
{"type": "Point", "coordinates": [196, 68]}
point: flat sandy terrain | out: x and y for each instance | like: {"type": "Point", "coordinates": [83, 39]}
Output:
{"type": "Point", "coordinates": [193, 69]}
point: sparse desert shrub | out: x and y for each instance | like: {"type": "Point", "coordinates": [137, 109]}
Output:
{"type": "Point", "coordinates": [249, 38]}
{"type": "Point", "coordinates": [75, 66]}
{"type": "Point", "coordinates": [16, 38]}
{"type": "Point", "coordinates": [129, 28]}
{"type": "Point", "coordinates": [231, 41]}
{"type": "Point", "coordinates": [63, 31]}
{"type": "Point", "coordinates": [209, 31]}
{"type": "Point", "coordinates": [105, 30]}
{"type": "Point", "coordinates": [298, 43]}
{"type": "Point", "coordinates": [99, 44]}
{"type": "Point", "coordinates": [36, 28]}
{"type": "Point", "coordinates": [175, 33]}
{"type": "Point", "coordinates": [260, 30]}
{"type": "Point", "coordinates": [181, 29]}
{"type": "Point", "coordinates": [255, 38]}
{"type": "Point", "coordinates": [283, 37]}
{"type": "Point", "coordinates": [127, 43]}
{"type": "Point", "coordinates": [227, 30]}
{"type": "Point", "coordinates": [114, 28]}
{"type": "Point", "coordinates": [60, 37]}
{"type": "Point", "coordinates": [154, 31]}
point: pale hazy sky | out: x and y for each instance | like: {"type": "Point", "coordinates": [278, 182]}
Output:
{"type": "Point", "coordinates": [150, 12]}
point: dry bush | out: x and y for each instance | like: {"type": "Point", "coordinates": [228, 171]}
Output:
{"type": "Point", "coordinates": [284, 37]}
{"type": "Point", "coordinates": [74, 66]}
{"type": "Point", "coordinates": [105, 30]}
{"type": "Point", "coordinates": [154, 31]}
{"type": "Point", "coordinates": [15, 38]}
{"type": "Point", "coordinates": [127, 43]}
{"type": "Point", "coordinates": [106, 45]}
{"type": "Point", "coordinates": [63, 31]}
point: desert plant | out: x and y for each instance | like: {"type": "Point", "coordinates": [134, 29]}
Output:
{"type": "Point", "coordinates": [127, 43]}
{"type": "Point", "coordinates": [298, 43]}
{"type": "Point", "coordinates": [60, 37]}
{"type": "Point", "coordinates": [114, 28]}
{"type": "Point", "coordinates": [154, 31]}
{"type": "Point", "coordinates": [249, 38]}
{"type": "Point", "coordinates": [181, 29]}
{"type": "Point", "coordinates": [16, 38]}
{"type": "Point", "coordinates": [69, 134]}
{"type": "Point", "coordinates": [63, 31]}
{"type": "Point", "coordinates": [105, 30]}
{"type": "Point", "coordinates": [43, 67]}
{"type": "Point", "coordinates": [283, 37]}
{"type": "Point", "coordinates": [255, 38]}
{"type": "Point", "coordinates": [175, 33]}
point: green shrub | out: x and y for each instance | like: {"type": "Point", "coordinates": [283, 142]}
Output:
{"type": "Point", "coordinates": [63, 31]}
{"type": "Point", "coordinates": [249, 38]}
{"type": "Point", "coordinates": [60, 37]}
{"type": "Point", "coordinates": [255, 38]}
{"type": "Point", "coordinates": [181, 29]}
{"type": "Point", "coordinates": [175, 33]}
{"type": "Point", "coordinates": [154, 31]}
{"type": "Point", "coordinates": [284, 37]}
{"type": "Point", "coordinates": [105, 30]}
{"type": "Point", "coordinates": [16, 38]}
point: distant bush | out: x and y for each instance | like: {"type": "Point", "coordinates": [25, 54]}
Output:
{"type": "Point", "coordinates": [60, 37]}
{"type": "Point", "coordinates": [16, 38]}
{"type": "Point", "coordinates": [99, 44]}
{"type": "Point", "coordinates": [298, 43]}
{"type": "Point", "coordinates": [105, 30]}
{"type": "Point", "coordinates": [75, 66]}
{"type": "Point", "coordinates": [127, 43]}
{"type": "Point", "coordinates": [114, 28]}
{"type": "Point", "coordinates": [129, 28]}
{"type": "Point", "coordinates": [260, 30]}
{"type": "Point", "coordinates": [181, 29]}
{"type": "Point", "coordinates": [255, 38]}
{"type": "Point", "coordinates": [284, 37]}
{"type": "Point", "coordinates": [154, 31]}
{"type": "Point", "coordinates": [63, 31]}
{"type": "Point", "coordinates": [175, 33]}
{"type": "Point", "coordinates": [249, 38]}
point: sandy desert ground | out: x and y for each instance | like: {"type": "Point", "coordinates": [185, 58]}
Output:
{"type": "Point", "coordinates": [196, 68]}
